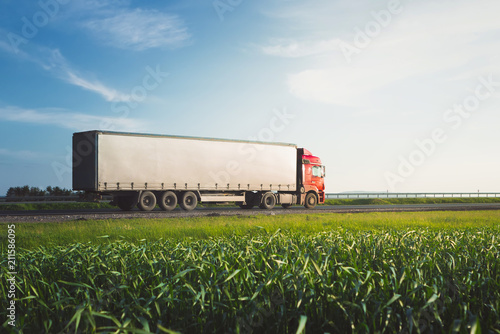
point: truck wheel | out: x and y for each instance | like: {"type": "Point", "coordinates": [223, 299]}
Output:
{"type": "Point", "coordinates": [311, 201]}
{"type": "Point", "coordinates": [168, 201]}
{"type": "Point", "coordinates": [268, 201]}
{"type": "Point", "coordinates": [126, 203]}
{"type": "Point", "coordinates": [147, 201]}
{"type": "Point", "coordinates": [188, 201]}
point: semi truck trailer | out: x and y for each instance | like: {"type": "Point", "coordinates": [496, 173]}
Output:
{"type": "Point", "coordinates": [144, 170]}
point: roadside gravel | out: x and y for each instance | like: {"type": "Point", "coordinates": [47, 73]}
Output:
{"type": "Point", "coordinates": [104, 214]}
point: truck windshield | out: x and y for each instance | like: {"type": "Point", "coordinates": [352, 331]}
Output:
{"type": "Point", "coordinates": [317, 171]}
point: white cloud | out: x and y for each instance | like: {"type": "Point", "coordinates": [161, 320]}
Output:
{"type": "Point", "coordinates": [22, 154]}
{"type": "Point", "coordinates": [109, 94]}
{"type": "Point", "coordinates": [296, 49]}
{"type": "Point", "coordinates": [419, 41]}
{"type": "Point", "coordinates": [54, 62]}
{"type": "Point", "coordinates": [139, 29]}
{"type": "Point", "coordinates": [68, 119]}
{"type": "Point", "coordinates": [4, 45]}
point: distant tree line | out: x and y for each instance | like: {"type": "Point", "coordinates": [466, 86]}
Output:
{"type": "Point", "coordinates": [35, 191]}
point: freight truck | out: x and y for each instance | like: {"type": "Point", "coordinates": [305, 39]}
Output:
{"type": "Point", "coordinates": [144, 170]}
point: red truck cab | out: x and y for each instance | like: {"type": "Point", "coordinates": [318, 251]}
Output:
{"type": "Point", "coordinates": [313, 179]}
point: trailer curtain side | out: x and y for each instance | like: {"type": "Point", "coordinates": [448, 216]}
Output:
{"type": "Point", "coordinates": [117, 161]}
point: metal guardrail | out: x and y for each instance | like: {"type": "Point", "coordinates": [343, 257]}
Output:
{"type": "Point", "coordinates": [409, 195]}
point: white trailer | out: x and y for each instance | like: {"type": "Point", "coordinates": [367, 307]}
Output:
{"type": "Point", "coordinates": [145, 169]}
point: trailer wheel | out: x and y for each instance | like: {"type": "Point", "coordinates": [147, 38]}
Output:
{"type": "Point", "coordinates": [147, 201]}
{"type": "Point", "coordinates": [126, 203]}
{"type": "Point", "coordinates": [268, 201]}
{"type": "Point", "coordinates": [311, 200]}
{"type": "Point", "coordinates": [188, 201]}
{"type": "Point", "coordinates": [168, 201]}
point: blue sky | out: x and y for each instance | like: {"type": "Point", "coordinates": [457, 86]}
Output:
{"type": "Point", "coordinates": [392, 95]}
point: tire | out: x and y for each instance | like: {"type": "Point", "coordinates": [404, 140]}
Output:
{"type": "Point", "coordinates": [311, 200]}
{"type": "Point", "coordinates": [268, 201]}
{"type": "Point", "coordinates": [126, 203]}
{"type": "Point", "coordinates": [168, 201]}
{"type": "Point", "coordinates": [188, 201]}
{"type": "Point", "coordinates": [286, 206]}
{"type": "Point", "coordinates": [147, 201]}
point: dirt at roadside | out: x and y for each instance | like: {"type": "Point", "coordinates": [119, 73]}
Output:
{"type": "Point", "coordinates": [82, 215]}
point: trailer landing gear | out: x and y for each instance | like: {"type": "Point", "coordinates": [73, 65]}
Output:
{"type": "Point", "coordinates": [126, 203]}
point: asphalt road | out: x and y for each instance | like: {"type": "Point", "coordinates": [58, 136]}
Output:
{"type": "Point", "coordinates": [68, 215]}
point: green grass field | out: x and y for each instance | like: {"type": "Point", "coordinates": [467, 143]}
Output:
{"type": "Point", "coordinates": [335, 273]}
{"type": "Point", "coordinates": [32, 235]}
